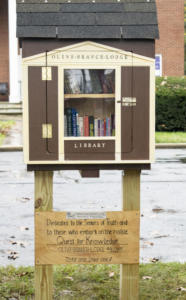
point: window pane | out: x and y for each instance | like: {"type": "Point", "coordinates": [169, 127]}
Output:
{"type": "Point", "coordinates": [88, 81]}
{"type": "Point", "coordinates": [89, 103]}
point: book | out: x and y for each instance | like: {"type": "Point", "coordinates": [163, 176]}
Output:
{"type": "Point", "coordinates": [77, 125]}
{"type": "Point", "coordinates": [112, 125]}
{"type": "Point", "coordinates": [91, 126]}
{"type": "Point", "coordinates": [95, 127]}
{"type": "Point", "coordinates": [86, 126]}
{"type": "Point", "coordinates": [68, 112]}
{"type": "Point", "coordinates": [81, 127]}
{"type": "Point", "coordinates": [74, 122]}
{"type": "Point", "coordinates": [107, 126]}
{"type": "Point", "coordinates": [104, 126]}
{"type": "Point", "coordinates": [99, 127]}
{"type": "Point", "coordinates": [65, 125]}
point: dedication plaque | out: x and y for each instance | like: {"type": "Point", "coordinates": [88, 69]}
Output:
{"type": "Point", "coordinates": [112, 239]}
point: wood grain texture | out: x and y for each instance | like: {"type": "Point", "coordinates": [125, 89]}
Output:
{"type": "Point", "coordinates": [43, 202]}
{"type": "Point", "coordinates": [43, 109]}
{"type": "Point", "coordinates": [43, 282]}
{"type": "Point", "coordinates": [60, 239]}
{"type": "Point", "coordinates": [131, 192]}
{"type": "Point", "coordinates": [129, 274]}
{"type": "Point", "coordinates": [99, 96]}
{"type": "Point", "coordinates": [135, 120]}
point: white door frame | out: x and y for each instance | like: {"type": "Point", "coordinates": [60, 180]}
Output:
{"type": "Point", "coordinates": [14, 58]}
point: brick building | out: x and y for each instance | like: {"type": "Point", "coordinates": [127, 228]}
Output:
{"type": "Point", "coordinates": [10, 66]}
{"type": "Point", "coordinates": [169, 48]}
{"type": "Point", "coordinates": [171, 43]}
{"type": "Point", "coordinates": [4, 46]}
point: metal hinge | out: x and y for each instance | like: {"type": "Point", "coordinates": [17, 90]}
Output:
{"type": "Point", "coordinates": [47, 131]}
{"type": "Point", "coordinates": [128, 101]}
{"type": "Point", "coordinates": [46, 73]}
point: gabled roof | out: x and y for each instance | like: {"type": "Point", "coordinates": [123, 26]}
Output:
{"type": "Point", "coordinates": [95, 19]}
{"type": "Point", "coordinates": [68, 54]}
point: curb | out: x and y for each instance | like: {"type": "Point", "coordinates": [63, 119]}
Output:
{"type": "Point", "coordinates": [171, 146]}
{"type": "Point", "coordinates": [11, 148]}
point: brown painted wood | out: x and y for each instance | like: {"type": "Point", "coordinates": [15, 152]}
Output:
{"type": "Point", "coordinates": [90, 173]}
{"type": "Point", "coordinates": [36, 46]}
{"type": "Point", "coordinates": [75, 150]}
{"type": "Point", "coordinates": [107, 166]}
{"type": "Point", "coordinates": [61, 239]}
{"type": "Point", "coordinates": [43, 202]}
{"type": "Point", "coordinates": [52, 111]}
{"type": "Point", "coordinates": [129, 274]}
{"type": "Point", "coordinates": [135, 119]}
{"type": "Point", "coordinates": [43, 108]}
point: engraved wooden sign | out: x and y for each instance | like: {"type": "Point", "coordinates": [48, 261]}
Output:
{"type": "Point", "coordinates": [62, 238]}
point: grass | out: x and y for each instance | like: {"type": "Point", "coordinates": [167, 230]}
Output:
{"type": "Point", "coordinates": [83, 282]}
{"type": "Point", "coordinates": [4, 127]}
{"type": "Point", "coordinates": [170, 137]}
{"type": "Point", "coordinates": [161, 137]}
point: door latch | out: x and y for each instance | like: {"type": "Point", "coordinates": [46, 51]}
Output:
{"type": "Point", "coordinates": [127, 101]}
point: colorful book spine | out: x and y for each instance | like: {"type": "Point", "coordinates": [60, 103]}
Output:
{"type": "Point", "coordinates": [112, 125]}
{"type": "Point", "coordinates": [91, 126]}
{"type": "Point", "coordinates": [65, 125]}
{"type": "Point", "coordinates": [96, 127]}
{"type": "Point", "coordinates": [102, 127]}
{"type": "Point", "coordinates": [104, 122]}
{"type": "Point", "coordinates": [74, 122]}
{"type": "Point", "coordinates": [77, 125]}
{"type": "Point", "coordinates": [86, 126]}
{"type": "Point", "coordinates": [81, 127]}
{"type": "Point", "coordinates": [109, 127]}
{"type": "Point", "coordinates": [99, 127]}
{"type": "Point", "coordinates": [68, 112]}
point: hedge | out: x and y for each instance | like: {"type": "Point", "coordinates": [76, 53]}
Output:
{"type": "Point", "coordinates": [171, 104]}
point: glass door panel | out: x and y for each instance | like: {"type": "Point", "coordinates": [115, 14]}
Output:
{"type": "Point", "coordinates": [89, 96]}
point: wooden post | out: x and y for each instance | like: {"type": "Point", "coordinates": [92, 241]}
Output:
{"type": "Point", "coordinates": [43, 202]}
{"type": "Point", "coordinates": [129, 274]}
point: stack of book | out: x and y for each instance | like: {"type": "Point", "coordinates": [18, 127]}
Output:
{"type": "Point", "coordinates": [76, 125]}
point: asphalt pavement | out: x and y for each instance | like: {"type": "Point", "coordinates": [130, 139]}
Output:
{"type": "Point", "coordinates": [163, 205]}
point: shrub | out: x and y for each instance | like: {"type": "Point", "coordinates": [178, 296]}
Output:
{"type": "Point", "coordinates": [171, 104]}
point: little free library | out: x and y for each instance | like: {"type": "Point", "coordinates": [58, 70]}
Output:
{"type": "Point", "coordinates": [89, 105]}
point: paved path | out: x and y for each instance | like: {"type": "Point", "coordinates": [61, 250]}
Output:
{"type": "Point", "coordinates": [163, 205]}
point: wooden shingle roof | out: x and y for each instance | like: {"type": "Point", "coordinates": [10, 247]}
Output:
{"type": "Point", "coordinates": [78, 19]}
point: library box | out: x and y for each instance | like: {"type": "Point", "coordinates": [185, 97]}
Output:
{"type": "Point", "coordinates": [88, 88]}
{"type": "Point", "coordinates": [88, 103]}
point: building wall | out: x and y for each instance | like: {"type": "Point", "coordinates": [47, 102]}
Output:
{"type": "Point", "coordinates": [4, 48]}
{"type": "Point", "coordinates": [171, 43]}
